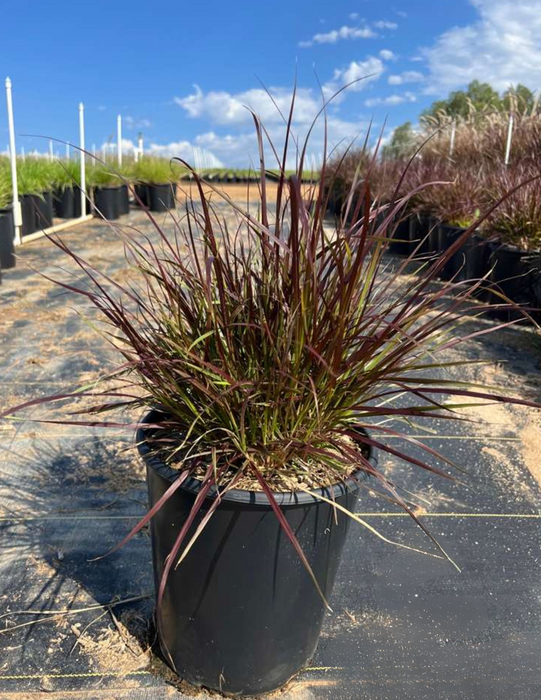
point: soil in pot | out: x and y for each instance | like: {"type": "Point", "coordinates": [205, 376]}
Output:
{"type": "Point", "coordinates": [7, 247]}
{"type": "Point", "coordinates": [241, 614]}
{"type": "Point", "coordinates": [162, 197]}
{"type": "Point", "coordinates": [107, 202]}
{"type": "Point", "coordinates": [517, 274]}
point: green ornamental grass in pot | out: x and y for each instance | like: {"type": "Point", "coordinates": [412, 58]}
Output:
{"type": "Point", "coordinates": [67, 192]}
{"type": "Point", "coordinates": [266, 357]}
{"type": "Point", "coordinates": [156, 180]}
{"type": "Point", "coordinates": [36, 181]}
{"type": "Point", "coordinates": [105, 182]}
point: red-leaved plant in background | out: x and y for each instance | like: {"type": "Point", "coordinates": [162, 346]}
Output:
{"type": "Point", "coordinates": [274, 350]}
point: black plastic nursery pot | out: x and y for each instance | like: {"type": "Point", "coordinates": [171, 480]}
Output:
{"type": "Point", "coordinates": [107, 201]}
{"type": "Point", "coordinates": [64, 203]}
{"type": "Point", "coordinates": [43, 210]}
{"type": "Point", "coordinates": [162, 197]}
{"type": "Point", "coordinates": [241, 615]}
{"type": "Point", "coordinates": [7, 247]}
{"type": "Point", "coordinates": [517, 274]}
{"type": "Point", "coordinates": [421, 226]}
{"type": "Point", "coordinates": [124, 200]}
{"type": "Point", "coordinates": [400, 238]}
{"type": "Point", "coordinates": [469, 262]}
{"type": "Point", "coordinates": [37, 212]}
{"type": "Point", "coordinates": [141, 194]}
{"type": "Point", "coordinates": [28, 215]}
{"type": "Point", "coordinates": [67, 203]}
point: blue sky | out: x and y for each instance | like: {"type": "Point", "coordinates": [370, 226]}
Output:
{"type": "Point", "coordinates": [182, 72]}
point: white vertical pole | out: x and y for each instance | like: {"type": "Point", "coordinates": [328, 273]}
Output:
{"type": "Point", "coordinates": [94, 150]}
{"type": "Point", "coordinates": [82, 147]}
{"type": "Point", "coordinates": [452, 139]}
{"type": "Point", "coordinates": [67, 151]}
{"type": "Point", "coordinates": [17, 214]}
{"type": "Point", "coordinates": [509, 139]}
{"type": "Point", "coordinates": [51, 153]}
{"type": "Point", "coordinates": [23, 155]}
{"type": "Point", "coordinates": [140, 146]}
{"type": "Point", "coordinates": [119, 138]}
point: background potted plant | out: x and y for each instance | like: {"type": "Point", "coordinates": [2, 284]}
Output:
{"type": "Point", "coordinates": [67, 193]}
{"type": "Point", "coordinates": [156, 180]}
{"type": "Point", "coordinates": [35, 179]}
{"type": "Point", "coordinates": [268, 357]}
{"type": "Point", "coordinates": [108, 198]}
{"type": "Point", "coordinates": [515, 251]}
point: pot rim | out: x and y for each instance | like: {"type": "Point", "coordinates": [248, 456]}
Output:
{"type": "Point", "coordinates": [256, 498]}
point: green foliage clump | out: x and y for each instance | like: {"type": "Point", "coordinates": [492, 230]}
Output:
{"type": "Point", "coordinates": [66, 173]}
{"type": "Point", "coordinates": [35, 175]}
{"type": "Point", "coordinates": [152, 170]}
{"type": "Point", "coordinates": [6, 194]}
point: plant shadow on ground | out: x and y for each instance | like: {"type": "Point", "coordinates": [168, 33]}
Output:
{"type": "Point", "coordinates": [75, 503]}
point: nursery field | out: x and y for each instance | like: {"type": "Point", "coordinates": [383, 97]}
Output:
{"type": "Point", "coordinates": [403, 625]}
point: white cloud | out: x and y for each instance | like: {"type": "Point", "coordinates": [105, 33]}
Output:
{"type": "Point", "coordinates": [401, 13]}
{"type": "Point", "coordinates": [387, 55]}
{"type": "Point", "coordinates": [409, 76]}
{"type": "Point", "coordinates": [241, 150]}
{"type": "Point", "coordinates": [364, 72]}
{"type": "Point", "coordinates": [222, 107]}
{"type": "Point", "coordinates": [195, 155]}
{"type": "Point", "coordinates": [502, 47]}
{"type": "Point", "coordinates": [336, 35]}
{"type": "Point", "coordinates": [384, 24]}
{"type": "Point", "coordinates": [391, 100]}
{"type": "Point", "coordinates": [354, 15]}
{"type": "Point", "coordinates": [133, 123]}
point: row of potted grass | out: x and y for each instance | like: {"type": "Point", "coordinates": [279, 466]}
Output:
{"type": "Point", "coordinates": [49, 189]}
{"type": "Point", "coordinates": [225, 175]}
{"type": "Point", "coordinates": [443, 195]}
{"type": "Point", "coordinates": [509, 270]}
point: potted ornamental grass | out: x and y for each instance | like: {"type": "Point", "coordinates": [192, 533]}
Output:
{"type": "Point", "coordinates": [156, 180]}
{"type": "Point", "coordinates": [36, 181]}
{"type": "Point", "coordinates": [109, 184]}
{"type": "Point", "coordinates": [456, 206]}
{"type": "Point", "coordinates": [264, 358]}
{"type": "Point", "coordinates": [515, 248]}
{"type": "Point", "coordinates": [67, 189]}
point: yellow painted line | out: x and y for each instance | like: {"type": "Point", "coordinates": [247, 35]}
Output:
{"type": "Point", "coordinates": [534, 516]}
{"type": "Point", "coordinates": [112, 674]}
{"type": "Point", "coordinates": [29, 518]}
{"type": "Point", "coordinates": [392, 514]}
